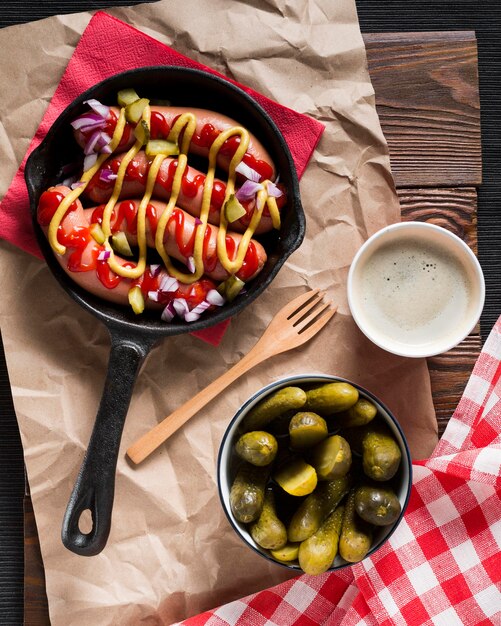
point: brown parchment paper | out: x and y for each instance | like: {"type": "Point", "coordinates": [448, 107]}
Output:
{"type": "Point", "coordinates": [171, 552]}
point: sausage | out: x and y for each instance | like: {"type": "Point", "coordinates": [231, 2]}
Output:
{"type": "Point", "coordinates": [180, 235]}
{"type": "Point", "coordinates": [80, 260]}
{"type": "Point", "coordinates": [99, 190]}
{"type": "Point", "coordinates": [209, 125]}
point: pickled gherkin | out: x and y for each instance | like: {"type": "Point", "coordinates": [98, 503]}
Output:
{"type": "Point", "coordinates": [356, 534]}
{"type": "Point", "coordinates": [381, 454]}
{"type": "Point", "coordinates": [272, 406]}
{"type": "Point", "coordinates": [331, 458]}
{"type": "Point", "coordinates": [316, 507]}
{"type": "Point", "coordinates": [317, 553]}
{"type": "Point", "coordinates": [268, 531]}
{"type": "Point", "coordinates": [257, 447]}
{"type": "Point", "coordinates": [331, 398]}
{"type": "Point", "coordinates": [306, 429]}
{"type": "Point", "coordinates": [361, 413]}
{"type": "Point", "coordinates": [247, 492]}
{"type": "Point", "coordinates": [378, 505]}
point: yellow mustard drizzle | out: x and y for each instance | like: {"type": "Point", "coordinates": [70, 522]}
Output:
{"type": "Point", "coordinates": [75, 193]}
{"type": "Point", "coordinates": [187, 123]}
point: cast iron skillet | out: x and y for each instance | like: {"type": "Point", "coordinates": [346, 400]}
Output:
{"type": "Point", "coordinates": [132, 337]}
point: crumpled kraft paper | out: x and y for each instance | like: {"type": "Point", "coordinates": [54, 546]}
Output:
{"type": "Point", "coordinates": [171, 552]}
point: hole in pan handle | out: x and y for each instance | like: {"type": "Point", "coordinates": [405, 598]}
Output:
{"type": "Point", "coordinates": [95, 486]}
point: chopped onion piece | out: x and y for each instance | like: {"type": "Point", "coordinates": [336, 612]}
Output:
{"type": "Point", "coordinates": [180, 306]}
{"type": "Point", "coordinates": [168, 284]}
{"type": "Point", "coordinates": [67, 182]}
{"type": "Point", "coordinates": [89, 161]}
{"type": "Point", "coordinates": [89, 120]}
{"type": "Point", "coordinates": [77, 184]}
{"type": "Point", "coordinates": [104, 255]}
{"type": "Point", "coordinates": [215, 298]}
{"type": "Point", "coordinates": [155, 269]}
{"type": "Point", "coordinates": [101, 109]}
{"type": "Point", "coordinates": [198, 221]}
{"type": "Point", "coordinates": [91, 143]}
{"type": "Point", "coordinates": [273, 190]}
{"type": "Point", "coordinates": [190, 264]}
{"type": "Point", "coordinates": [153, 295]}
{"type": "Point", "coordinates": [248, 172]}
{"type": "Point", "coordinates": [107, 176]}
{"type": "Point", "coordinates": [248, 190]}
{"type": "Point", "coordinates": [168, 313]}
{"type": "Point", "coordinates": [191, 317]}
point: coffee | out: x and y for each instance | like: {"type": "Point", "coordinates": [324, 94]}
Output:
{"type": "Point", "coordinates": [413, 292]}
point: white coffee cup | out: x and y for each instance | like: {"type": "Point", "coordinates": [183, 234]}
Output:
{"type": "Point", "coordinates": [415, 289]}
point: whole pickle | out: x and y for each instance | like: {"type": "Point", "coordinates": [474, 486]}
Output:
{"type": "Point", "coordinates": [316, 507]}
{"type": "Point", "coordinates": [317, 553]}
{"type": "Point", "coordinates": [272, 406]}
{"type": "Point", "coordinates": [268, 531]}
{"type": "Point", "coordinates": [381, 454]}
{"type": "Point", "coordinates": [331, 398]}
{"type": "Point", "coordinates": [331, 458]}
{"type": "Point", "coordinates": [356, 534]}
{"type": "Point", "coordinates": [361, 413]}
{"type": "Point", "coordinates": [306, 429]}
{"type": "Point", "coordinates": [257, 447]}
{"type": "Point", "coordinates": [377, 505]}
{"type": "Point", "coordinates": [247, 492]}
{"type": "Point", "coordinates": [296, 477]}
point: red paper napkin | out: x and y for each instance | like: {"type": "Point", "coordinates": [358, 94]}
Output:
{"type": "Point", "coordinates": [104, 50]}
{"type": "Point", "coordinates": [442, 566]}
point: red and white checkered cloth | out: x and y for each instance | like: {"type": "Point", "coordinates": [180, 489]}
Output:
{"type": "Point", "coordinates": [442, 565]}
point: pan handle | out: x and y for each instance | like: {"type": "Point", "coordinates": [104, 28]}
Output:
{"type": "Point", "coordinates": [95, 485]}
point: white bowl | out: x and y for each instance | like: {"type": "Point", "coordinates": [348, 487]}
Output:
{"type": "Point", "coordinates": [401, 483]}
{"type": "Point", "coordinates": [415, 289]}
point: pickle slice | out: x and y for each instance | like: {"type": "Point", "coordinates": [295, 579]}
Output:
{"type": "Point", "coordinates": [297, 478]}
{"type": "Point", "coordinates": [231, 287]}
{"type": "Point", "coordinates": [120, 244]}
{"type": "Point", "coordinates": [97, 233]}
{"type": "Point", "coordinates": [142, 132]}
{"type": "Point", "coordinates": [307, 429]}
{"type": "Point", "coordinates": [134, 111]}
{"type": "Point", "coordinates": [136, 299]}
{"type": "Point", "coordinates": [162, 146]}
{"type": "Point", "coordinates": [126, 97]}
{"type": "Point", "coordinates": [233, 210]}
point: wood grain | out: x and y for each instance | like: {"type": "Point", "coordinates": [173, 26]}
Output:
{"type": "Point", "coordinates": [427, 98]}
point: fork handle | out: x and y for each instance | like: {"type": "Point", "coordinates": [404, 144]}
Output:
{"type": "Point", "coordinates": [149, 442]}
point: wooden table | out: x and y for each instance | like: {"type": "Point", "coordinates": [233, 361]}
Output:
{"type": "Point", "coordinates": [427, 98]}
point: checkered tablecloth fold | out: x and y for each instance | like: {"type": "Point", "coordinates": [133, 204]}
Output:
{"type": "Point", "coordinates": [442, 565]}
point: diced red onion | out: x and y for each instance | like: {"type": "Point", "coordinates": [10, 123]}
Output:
{"type": "Point", "coordinates": [87, 122]}
{"type": "Point", "coordinates": [198, 221]}
{"type": "Point", "coordinates": [155, 269]}
{"type": "Point", "coordinates": [195, 313]}
{"type": "Point", "coordinates": [180, 306]}
{"type": "Point", "coordinates": [77, 184]}
{"type": "Point", "coordinates": [248, 190]}
{"type": "Point", "coordinates": [168, 284]}
{"type": "Point", "coordinates": [89, 161]}
{"type": "Point", "coordinates": [248, 172]}
{"type": "Point", "coordinates": [153, 295]}
{"type": "Point", "coordinates": [91, 143]}
{"type": "Point", "coordinates": [215, 298]}
{"type": "Point", "coordinates": [104, 255]}
{"type": "Point", "coordinates": [190, 264]}
{"type": "Point", "coordinates": [67, 182]}
{"type": "Point", "coordinates": [101, 109]}
{"type": "Point", "coordinates": [168, 313]}
{"type": "Point", "coordinates": [273, 190]}
{"type": "Point", "coordinates": [107, 176]}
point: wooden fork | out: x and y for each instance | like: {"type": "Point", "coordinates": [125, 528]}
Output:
{"type": "Point", "coordinates": [292, 326]}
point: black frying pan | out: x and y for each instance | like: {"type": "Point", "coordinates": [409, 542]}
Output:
{"type": "Point", "coordinates": [132, 337]}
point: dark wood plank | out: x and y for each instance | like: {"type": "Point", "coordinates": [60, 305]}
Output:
{"type": "Point", "coordinates": [36, 611]}
{"type": "Point", "coordinates": [427, 97]}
